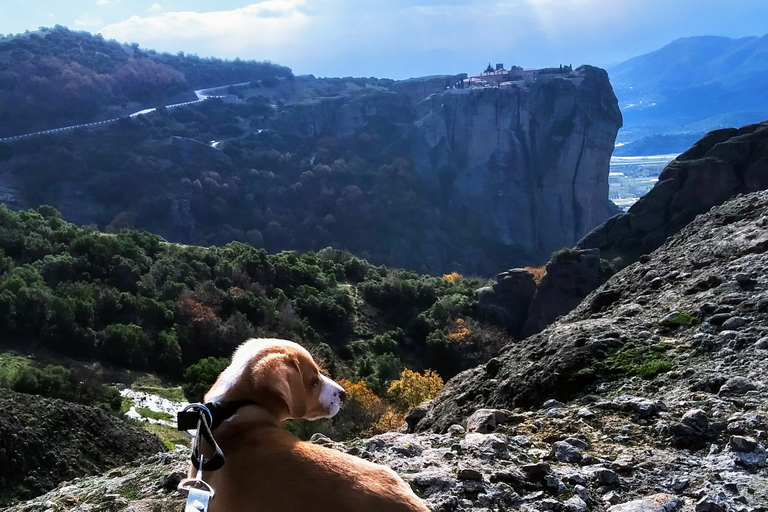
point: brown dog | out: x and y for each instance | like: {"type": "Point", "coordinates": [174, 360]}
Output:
{"type": "Point", "coordinates": [269, 470]}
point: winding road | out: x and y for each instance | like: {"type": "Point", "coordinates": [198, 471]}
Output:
{"type": "Point", "coordinates": [202, 95]}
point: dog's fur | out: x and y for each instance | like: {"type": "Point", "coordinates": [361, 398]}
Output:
{"type": "Point", "coordinates": [269, 470]}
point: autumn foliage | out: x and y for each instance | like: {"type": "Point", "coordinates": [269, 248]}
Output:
{"type": "Point", "coordinates": [452, 277]}
{"type": "Point", "coordinates": [459, 330]}
{"type": "Point", "coordinates": [538, 272]}
{"type": "Point", "coordinates": [413, 388]}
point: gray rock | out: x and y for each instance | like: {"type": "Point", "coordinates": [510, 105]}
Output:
{"type": "Point", "coordinates": [578, 443]}
{"type": "Point", "coordinates": [655, 503]}
{"type": "Point", "coordinates": [469, 474]}
{"type": "Point", "coordinates": [415, 415]}
{"type": "Point", "coordinates": [696, 419]}
{"type": "Point", "coordinates": [680, 483]}
{"type": "Point", "coordinates": [566, 452]}
{"type": "Point", "coordinates": [735, 322]}
{"type": "Point", "coordinates": [456, 430]}
{"type": "Point", "coordinates": [506, 302]}
{"type": "Point", "coordinates": [322, 439]}
{"type": "Point", "coordinates": [585, 413]}
{"type": "Point", "coordinates": [711, 504]}
{"type": "Point", "coordinates": [736, 386]}
{"type": "Point", "coordinates": [575, 504]}
{"type": "Point", "coordinates": [762, 343]}
{"type": "Point", "coordinates": [603, 476]}
{"type": "Point", "coordinates": [485, 420]}
{"type": "Point", "coordinates": [642, 407]}
{"type": "Point", "coordinates": [552, 404]}
{"type": "Point", "coordinates": [747, 452]}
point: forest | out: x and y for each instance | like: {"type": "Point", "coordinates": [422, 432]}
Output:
{"type": "Point", "coordinates": [56, 77]}
{"type": "Point", "coordinates": [133, 300]}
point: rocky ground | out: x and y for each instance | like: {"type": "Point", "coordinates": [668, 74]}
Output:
{"type": "Point", "coordinates": [650, 396]}
{"type": "Point", "coordinates": [45, 441]}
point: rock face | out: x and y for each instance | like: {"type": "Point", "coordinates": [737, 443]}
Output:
{"type": "Point", "coordinates": [722, 164]}
{"type": "Point", "coordinates": [506, 302]}
{"type": "Point", "coordinates": [571, 275]}
{"type": "Point", "coordinates": [529, 162]}
{"type": "Point", "coordinates": [530, 158]}
{"type": "Point", "coordinates": [677, 300]}
{"type": "Point", "coordinates": [516, 302]}
{"type": "Point", "coordinates": [43, 442]}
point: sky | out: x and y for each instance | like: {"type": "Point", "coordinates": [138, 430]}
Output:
{"type": "Point", "coordinates": [397, 38]}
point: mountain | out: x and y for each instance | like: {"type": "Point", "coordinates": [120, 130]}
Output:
{"type": "Point", "coordinates": [691, 86]}
{"type": "Point", "coordinates": [421, 174]}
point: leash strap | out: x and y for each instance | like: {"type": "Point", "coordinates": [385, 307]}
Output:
{"type": "Point", "coordinates": [199, 416]}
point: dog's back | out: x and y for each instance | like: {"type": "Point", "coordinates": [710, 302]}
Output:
{"type": "Point", "coordinates": [269, 470]}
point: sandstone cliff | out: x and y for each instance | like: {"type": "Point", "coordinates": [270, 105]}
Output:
{"type": "Point", "coordinates": [531, 158]}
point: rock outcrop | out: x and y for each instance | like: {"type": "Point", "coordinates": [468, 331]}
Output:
{"type": "Point", "coordinates": [530, 158]}
{"type": "Point", "coordinates": [570, 276]}
{"type": "Point", "coordinates": [722, 164]}
{"type": "Point", "coordinates": [698, 303]}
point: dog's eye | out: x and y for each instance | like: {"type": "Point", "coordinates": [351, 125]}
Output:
{"type": "Point", "coordinates": [314, 382]}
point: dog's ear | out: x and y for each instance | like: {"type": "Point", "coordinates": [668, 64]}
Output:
{"type": "Point", "coordinates": [285, 384]}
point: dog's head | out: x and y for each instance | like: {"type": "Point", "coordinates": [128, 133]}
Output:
{"type": "Point", "coordinates": [282, 377]}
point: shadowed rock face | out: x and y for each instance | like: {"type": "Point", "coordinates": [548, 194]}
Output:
{"type": "Point", "coordinates": [722, 164]}
{"type": "Point", "coordinates": [531, 159]}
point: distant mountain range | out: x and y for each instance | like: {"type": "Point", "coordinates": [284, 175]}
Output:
{"type": "Point", "coordinates": [671, 96]}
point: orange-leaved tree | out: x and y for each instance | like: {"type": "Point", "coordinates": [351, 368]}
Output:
{"type": "Point", "coordinates": [362, 408]}
{"type": "Point", "coordinates": [413, 388]}
{"type": "Point", "coordinates": [452, 277]}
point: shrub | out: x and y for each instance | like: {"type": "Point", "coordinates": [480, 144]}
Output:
{"type": "Point", "coordinates": [452, 277]}
{"type": "Point", "coordinates": [538, 272]}
{"type": "Point", "coordinates": [565, 255]}
{"type": "Point", "coordinates": [414, 388]}
{"type": "Point", "coordinates": [362, 408]}
{"type": "Point", "coordinates": [201, 376]}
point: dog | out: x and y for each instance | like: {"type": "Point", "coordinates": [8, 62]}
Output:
{"type": "Point", "coordinates": [266, 468]}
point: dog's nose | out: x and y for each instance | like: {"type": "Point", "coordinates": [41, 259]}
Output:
{"type": "Point", "coordinates": [341, 394]}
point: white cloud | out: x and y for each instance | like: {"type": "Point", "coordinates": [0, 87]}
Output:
{"type": "Point", "coordinates": [268, 25]}
{"type": "Point", "coordinates": [106, 2]}
{"type": "Point", "coordinates": [155, 8]}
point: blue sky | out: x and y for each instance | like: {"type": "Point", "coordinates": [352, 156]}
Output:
{"type": "Point", "coordinates": [398, 38]}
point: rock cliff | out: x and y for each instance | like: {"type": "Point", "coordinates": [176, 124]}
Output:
{"type": "Point", "coordinates": [530, 158]}
{"type": "Point", "coordinates": [722, 164]}
{"type": "Point", "coordinates": [526, 164]}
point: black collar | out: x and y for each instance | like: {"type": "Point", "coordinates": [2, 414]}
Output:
{"type": "Point", "coordinates": [222, 411]}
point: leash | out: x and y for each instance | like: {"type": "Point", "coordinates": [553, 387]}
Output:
{"type": "Point", "coordinates": [204, 419]}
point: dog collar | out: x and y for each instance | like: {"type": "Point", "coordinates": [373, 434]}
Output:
{"type": "Point", "coordinates": [222, 411]}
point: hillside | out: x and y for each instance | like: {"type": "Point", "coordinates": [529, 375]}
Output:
{"type": "Point", "coordinates": [691, 86]}
{"type": "Point", "coordinates": [134, 301]}
{"type": "Point", "coordinates": [56, 77]}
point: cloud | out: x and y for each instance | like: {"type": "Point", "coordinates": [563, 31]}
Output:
{"type": "Point", "coordinates": [155, 8]}
{"type": "Point", "coordinates": [106, 2]}
{"type": "Point", "coordinates": [270, 24]}
{"type": "Point", "coordinates": [401, 38]}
